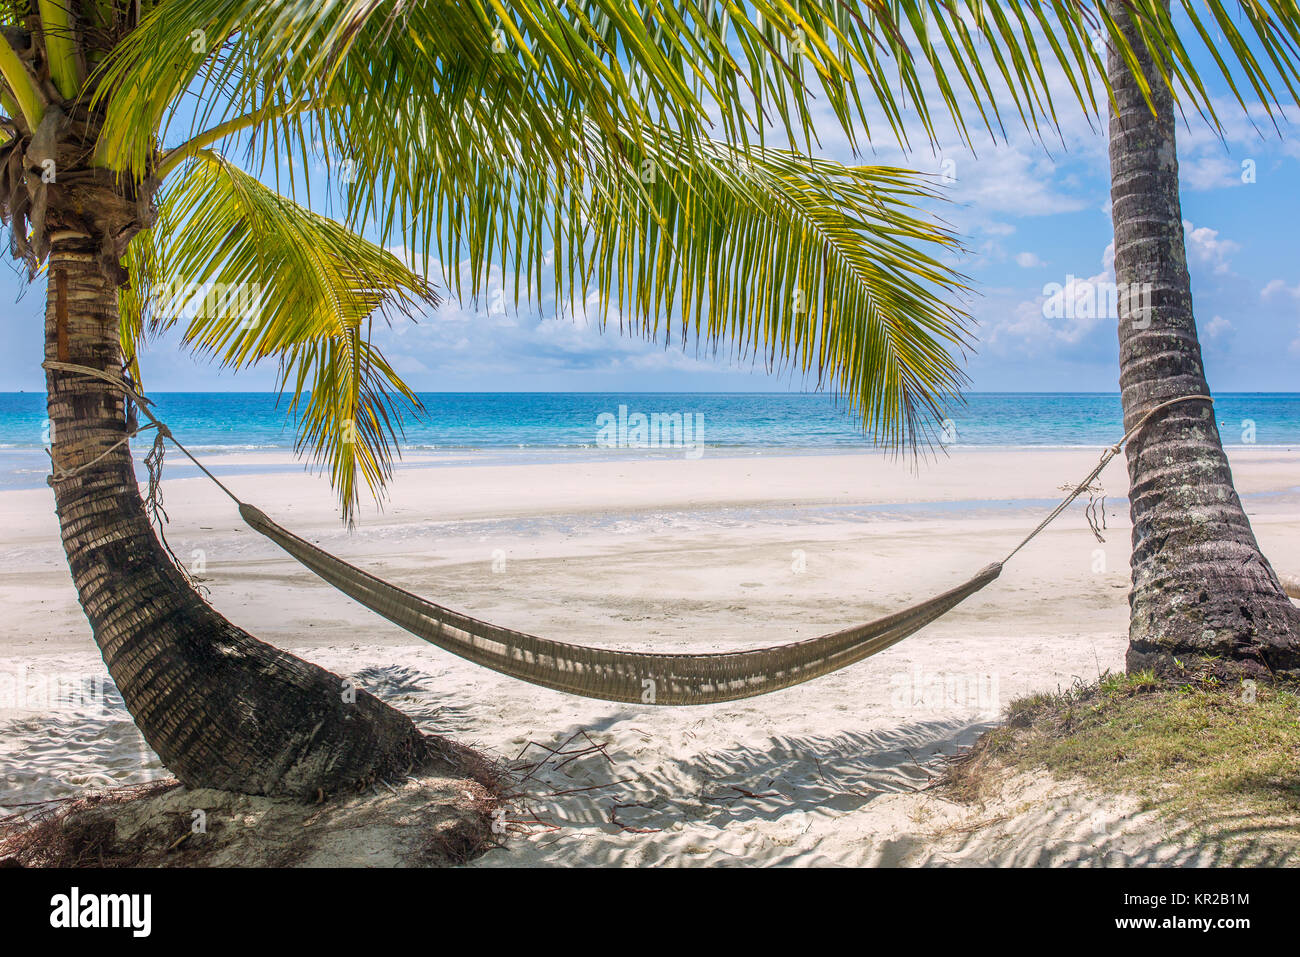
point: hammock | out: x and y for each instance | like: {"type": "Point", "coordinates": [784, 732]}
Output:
{"type": "Point", "coordinates": [606, 673]}
{"type": "Point", "coordinates": [610, 674]}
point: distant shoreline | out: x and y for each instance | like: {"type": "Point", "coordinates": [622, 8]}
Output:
{"type": "Point", "coordinates": [510, 428]}
{"type": "Point", "coordinates": [26, 469]}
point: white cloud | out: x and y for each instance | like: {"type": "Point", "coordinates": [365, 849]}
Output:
{"type": "Point", "coordinates": [1018, 179]}
{"type": "Point", "coordinates": [1209, 172]}
{"type": "Point", "coordinates": [1029, 260]}
{"type": "Point", "coordinates": [1205, 247]}
{"type": "Point", "coordinates": [994, 228]}
{"type": "Point", "coordinates": [1278, 289]}
{"type": "Point", "coordinates": [1216, 327]}
{"type": "Point", "coordinates": [1067, 313]}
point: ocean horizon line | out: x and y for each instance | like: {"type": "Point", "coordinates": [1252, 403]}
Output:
{"type": "Point", "coordinates": [546, 426]}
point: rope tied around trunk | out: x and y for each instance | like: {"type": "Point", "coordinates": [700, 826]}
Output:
{"type": "Point", "coordinates": [153, 461]}
{"type": "Point", "coordinates": [1106, 456]}
{"type": "Point", "coordinates": [142, 404]}
{"type": "Point", "coordinates": [60, 474]}
{"type": "Point", "coordinates": [611, 674]}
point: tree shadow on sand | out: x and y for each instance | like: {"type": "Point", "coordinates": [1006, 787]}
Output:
{"type": "Point", "coordinates": [608, 792]}
{"type": "Point", "coordinates": [595, 784]}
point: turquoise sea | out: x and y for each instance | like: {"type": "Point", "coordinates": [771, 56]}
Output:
{"type": "Point", "coordinates": [546, 426]}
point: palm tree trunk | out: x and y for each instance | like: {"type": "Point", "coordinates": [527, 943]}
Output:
{"type": "Point", "coordinates": [220, 708]}
{"type": "Point", "coordinates": [1201, 588]}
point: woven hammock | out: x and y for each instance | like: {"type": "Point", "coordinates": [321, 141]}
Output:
{"type": "Point", "coordinates": [606, 673]}
{"type": "Point", "coordinates": [609, 674]}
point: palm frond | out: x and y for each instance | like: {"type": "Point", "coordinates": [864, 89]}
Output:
{"type": "Point", "coordinates": [254, 276]}
{"type": "Point", "coordinates": [686, 66]}
{"type": "Point", "coordinates": [837, 271]}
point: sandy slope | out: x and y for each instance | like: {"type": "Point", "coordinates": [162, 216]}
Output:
{"type": "Point", "coordinates": [713, 554]}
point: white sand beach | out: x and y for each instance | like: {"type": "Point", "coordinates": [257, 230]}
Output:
{"type": "Point", "coordinates": [674, 555]}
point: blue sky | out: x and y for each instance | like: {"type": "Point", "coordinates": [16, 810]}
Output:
{"type": "Point", "coordinates": [1031, 215]}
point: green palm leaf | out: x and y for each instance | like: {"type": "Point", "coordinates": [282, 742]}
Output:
{"type": "Point", "coordinates": [832, 268]}
{"type": "Point", "coordinates": [254, 276]}
{"type": "Point", "coordinates": [654, 64]}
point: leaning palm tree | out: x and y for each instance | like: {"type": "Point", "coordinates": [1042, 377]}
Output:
{"type": "Point", "coordinates": [1202, 589]}
{"type": "Point", "coordinates": [657, 154]}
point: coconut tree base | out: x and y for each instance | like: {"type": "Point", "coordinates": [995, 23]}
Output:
{"type": "Point", "coordinates": [1208, 631]}
{"type": "Point", "coordinates": [435, 817]}
{"type": "Point", "coordinates": [1257, 641]}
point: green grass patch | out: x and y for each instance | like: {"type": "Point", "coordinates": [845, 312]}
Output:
{"type": "Point", "coordinates": [1223, 758]}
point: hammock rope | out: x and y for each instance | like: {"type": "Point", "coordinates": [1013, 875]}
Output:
{"type": "Point", "coordinates": [612, 674]}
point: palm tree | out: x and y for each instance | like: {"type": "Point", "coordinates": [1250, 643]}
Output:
{"type": "Point", "coordinates": [220, 708]}
{"type": "Point", "coordinates": [659, 154]}
{"type": "Point", "coordinates": [1201, 587]}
